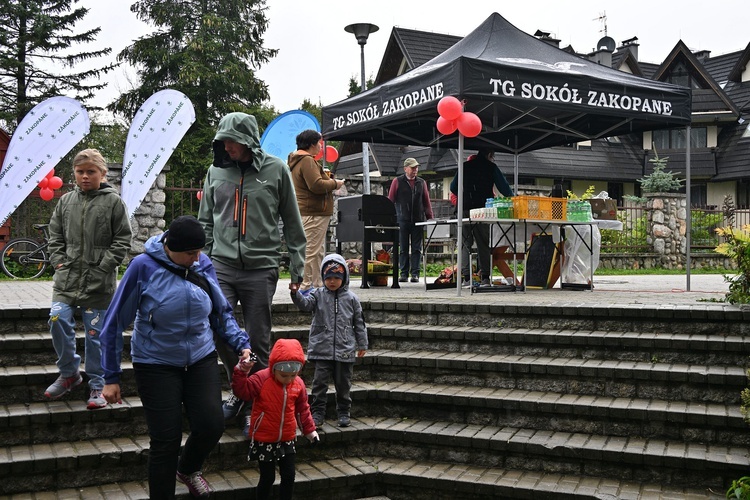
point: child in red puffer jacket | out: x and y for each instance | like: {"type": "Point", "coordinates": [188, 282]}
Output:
{"type": "Point", "coordinates": [278, 396]}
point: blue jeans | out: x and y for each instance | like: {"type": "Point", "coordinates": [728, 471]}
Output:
{"type": "Point", "coordinates": [409, 262]}
{"type": "Point", "coordinates": [62, 328]}
{"type": "Point", "coordinates": [164, 390]}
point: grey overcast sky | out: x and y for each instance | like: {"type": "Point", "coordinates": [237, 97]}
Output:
{"type": "Point", "coordinates": [317, 57]}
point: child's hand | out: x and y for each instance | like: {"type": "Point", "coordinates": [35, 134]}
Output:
{"type": "Point", "coordinates": [361, 353]}
{"type": "Point", "coordinates": [313, 437]}
{"type": "Point", "coordinates": [246, 363]}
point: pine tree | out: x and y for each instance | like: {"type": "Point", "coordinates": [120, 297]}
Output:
{"type": "Point", "coordinates": [208, 50]}
{"type": "Point", "coordinates": [38, 58]}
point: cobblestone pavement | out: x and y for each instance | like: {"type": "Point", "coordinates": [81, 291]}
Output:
{"type": "Point", "coordinates": [660, 290]}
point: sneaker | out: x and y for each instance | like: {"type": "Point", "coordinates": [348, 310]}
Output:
{"type": "Point", "coordinates": [403, 279]}
{"type": "Point", "coordinates": [196, 484]}
{"type": "Point", "coordinates": [465, 283]}
{"type": "Point", "coordinates": [62, 386]}
{"type": "Point", "coordinates": [344, 421]}
{"type": "Point", "coordinates": [232, 407]}
{"type": "Point", "coordinates": [96, 400]}
{"type": "Point", "coordinates": [415, 279]}
{"type": "Point", "coordinates": [485, 282]}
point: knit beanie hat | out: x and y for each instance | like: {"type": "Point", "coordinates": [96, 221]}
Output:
{"type": "Point", "coordinates": [333, 269]}
{"type": "Point", "coordinates": [185, 233]}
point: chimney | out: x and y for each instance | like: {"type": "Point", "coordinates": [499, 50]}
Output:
{"type": "Point", "coordinates": [547, 38]}
{"type": "Point", "coordinates": [702, 55]}
{"type": "Point", "coordinates": [603, 52]}
{"type": "Point", "coordinates": [630, 44]}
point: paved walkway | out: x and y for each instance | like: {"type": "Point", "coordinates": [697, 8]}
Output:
{"type": "Point", "coordinates": [653, 289]}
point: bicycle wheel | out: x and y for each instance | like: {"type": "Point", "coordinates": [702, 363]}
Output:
{"type": "Point", "coordinates": [23, 258]}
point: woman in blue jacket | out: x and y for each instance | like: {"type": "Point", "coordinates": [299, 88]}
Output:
{"type": "Point", "coordinates": [173, 351]}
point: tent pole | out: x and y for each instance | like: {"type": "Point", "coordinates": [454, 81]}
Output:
{"type": "Point", "coordinates": [515, 167]}
{"type": "Point", "coordinates": [689, 214]}
{"type": "Point", "coordinates": [460, 213]}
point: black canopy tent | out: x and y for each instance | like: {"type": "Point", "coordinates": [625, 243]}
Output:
{"type": "Point", "coordinates": [528, 94]}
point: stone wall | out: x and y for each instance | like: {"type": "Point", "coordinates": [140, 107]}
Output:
{"type": "Point", "coordinates": [148, 219]}
{"type": "Point", "coordinates": [667, 218]}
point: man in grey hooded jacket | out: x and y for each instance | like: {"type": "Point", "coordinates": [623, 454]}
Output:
{"type": "Point", "coordinates": [245, 192]}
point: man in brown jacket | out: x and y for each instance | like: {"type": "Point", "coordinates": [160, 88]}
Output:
{"type": "Point", "coordinates": [314, 189]}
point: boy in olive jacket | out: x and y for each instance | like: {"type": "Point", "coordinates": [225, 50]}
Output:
{"type": "Point", "coordinates": [89, 238]}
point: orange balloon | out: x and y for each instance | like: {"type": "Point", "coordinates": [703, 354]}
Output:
{"type": "Point", "coordinates": [469, 124]}
{"type": "Point", "coordinates": [446, 127]}
{"type": "Point", "coordinates": [449, 107]}
{"type": "Point", "coordinates": [55, 182]}
{"type": "Point", "coordinates": [46, 194]}
{"type": "Point", "coordinates": [331, 154]}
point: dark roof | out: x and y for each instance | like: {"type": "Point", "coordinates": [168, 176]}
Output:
{"type": "Point", "coordinates": [626, 160]}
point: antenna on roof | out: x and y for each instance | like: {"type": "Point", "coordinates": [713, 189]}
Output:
{"type": "Point", "coordinates": [603, 18]}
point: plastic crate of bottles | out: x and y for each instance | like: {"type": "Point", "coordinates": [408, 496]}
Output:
{"type": "Point", "coordinates": [579, 211]}
{"type": "Point", "coordinates": [539, 207]}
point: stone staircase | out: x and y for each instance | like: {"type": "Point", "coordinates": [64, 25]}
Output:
{"type": "Point", "coordinates": [453, 400]}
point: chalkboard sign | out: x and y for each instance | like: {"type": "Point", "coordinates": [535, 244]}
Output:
{"type": "Point", "coordinates": [542, 262]}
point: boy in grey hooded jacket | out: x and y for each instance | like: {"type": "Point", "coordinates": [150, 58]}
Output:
{"type": "Point", "coordinates": [338, 336]}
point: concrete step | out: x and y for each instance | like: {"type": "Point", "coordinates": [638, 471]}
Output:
{"type": "Point", "coordinates": [620, 459]}
{"type": "Point", "coordinates": [357, 477]}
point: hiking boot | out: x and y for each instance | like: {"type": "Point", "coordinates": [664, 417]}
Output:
{"type": "Point", "coordinates": [62, 386]}
{"type": "Point", "coordinates": [231, 407]}
{"type": "Point", "coordinates": [96, 400]}
{"type": "Point", "coordinates": [318, 421]}
{"type": "Point", "coordinates": [344, 421]}
{"type": "Point", "coordinates": [196, 484]}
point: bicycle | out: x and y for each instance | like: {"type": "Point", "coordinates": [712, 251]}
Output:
{"type": "Point", "coordinates": [26, 258]}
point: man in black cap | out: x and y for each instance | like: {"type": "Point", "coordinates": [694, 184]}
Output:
{"type": "Point", "coordinates": [411, 195]}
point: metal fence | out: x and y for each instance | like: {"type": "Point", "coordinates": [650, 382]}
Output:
{"type": "Point", "coordinates": [182, 199]}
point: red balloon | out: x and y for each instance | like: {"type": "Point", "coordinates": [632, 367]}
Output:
{"type": "Point", "coordinates": [43, 183]}
{"type": "Point", "coordinates": [319, 155]}
{"type": "Point", "coordinates": [46, 194]}
{"type": "Point", "coordinates": [469, 124]}
{"type": "Point", "coordinates": [446, 127]}
{"type": "Point", "coordinates": [50, 173]}
{"type": "Point", "coordinates": [199, 195]}
{"type": "Point", "coordinates": [331, 154]}
{"type": "Point", "coordinates": [55, 182]}
{"type": "Point", "coordinates": [449, 107]}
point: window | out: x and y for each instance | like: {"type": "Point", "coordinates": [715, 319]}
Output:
{"type": "Point", "coordinates": [698, 195]}
{"type": "Point", "coordinates": [743, 194]}
{"type": "Point", "coordinates": [680, 75]}
{"type": "Point", "coordinates": [436, 190]}
{"type": "Point", "coordinates": [615, 190]}
{"type": "Point", "coordinates": [675, 139]}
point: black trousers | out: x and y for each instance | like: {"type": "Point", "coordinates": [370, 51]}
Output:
{"type": "Point", "coordinates": [164, 390]}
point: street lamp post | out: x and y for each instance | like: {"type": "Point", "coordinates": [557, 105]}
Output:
{"type": "Point", "coordinates": [362, 31]}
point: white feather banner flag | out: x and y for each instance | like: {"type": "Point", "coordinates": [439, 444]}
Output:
{"type": "Point", "coordinates": [47, 133]}
{"type": "Point", "coordinates": [156, 130]}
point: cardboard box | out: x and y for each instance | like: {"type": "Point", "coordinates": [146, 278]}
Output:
{"type": "Point", "coordinates": [603, 209]}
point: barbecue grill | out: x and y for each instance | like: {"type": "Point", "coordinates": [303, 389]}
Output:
{"type": "Point", "coordinates": [367, 218]}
